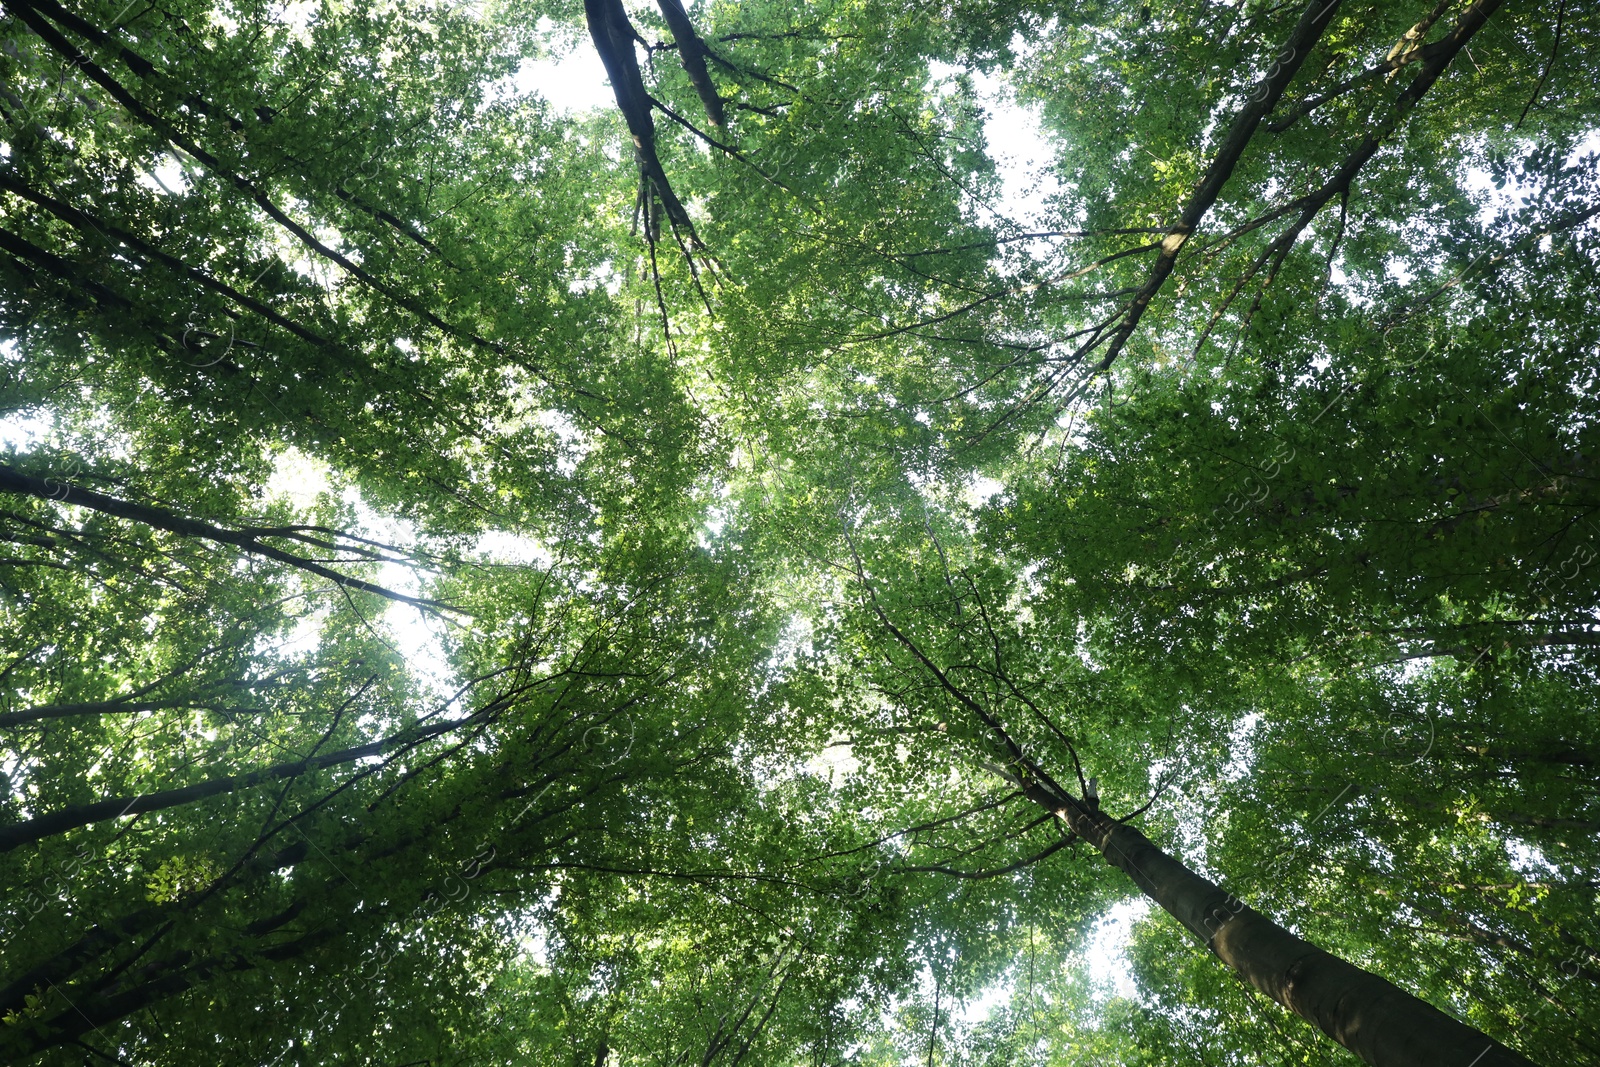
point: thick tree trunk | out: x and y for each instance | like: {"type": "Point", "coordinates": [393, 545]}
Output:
{"type": "Point", "coordinates": [1367, 1014]}
{"type": "Point", "coordinates": [613, 36]}
{"type": "Point", "coordinates": [1370, 1016]}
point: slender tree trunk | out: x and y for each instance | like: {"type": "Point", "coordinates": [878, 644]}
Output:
{"type": "Point", "coordinates": [32, 14]}
{"type": "Point", "coordinates": [46, 712]}
{"type": "Point", "coordinates": [150, 73]}
{"type": "Point", "coordinates": [1370, 1016]}
{"type": "Point", "coordinates": [1262, 98]}
{"type": "Point", "coordinates": [1505, 818]}
{"type": "Point", "coordinates": [692, 53]}
{"type": "Point", "coordinates": [58, 822]}
{"type": "Point", "coordinates": [14, 481]}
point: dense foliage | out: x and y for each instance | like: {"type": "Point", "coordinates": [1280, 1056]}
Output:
{"type": "Point", "coordinates": [487, 581]}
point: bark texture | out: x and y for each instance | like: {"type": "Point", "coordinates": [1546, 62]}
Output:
{"type": "Point", "coordinates": [692, 53]}
{"type": "Point", "coordinates": [614, 35]}
{"type": "Point", "coordinates": [1367, 1014]}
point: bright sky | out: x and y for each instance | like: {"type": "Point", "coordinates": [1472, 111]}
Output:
{"type": "Point", "coordinates": [573, 80]}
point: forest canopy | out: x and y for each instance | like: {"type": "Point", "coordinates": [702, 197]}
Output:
{"type": "Point", "coordinates": [960, 534]}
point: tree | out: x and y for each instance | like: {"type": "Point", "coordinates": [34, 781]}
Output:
{"type": "Point", "coordinates": [485, 584]}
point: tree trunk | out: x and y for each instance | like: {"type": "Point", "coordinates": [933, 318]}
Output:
{"type": "Point", "coordinates": [613, 36]}
{"type": "Point", "coordinates": [1370, 1016]}
{"type": "Point", "coordinates": [15, 481]}
{"type": "Point", "coordinates": [692, 53]}
{"type": "Point", "coordinates": [71, 818]}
